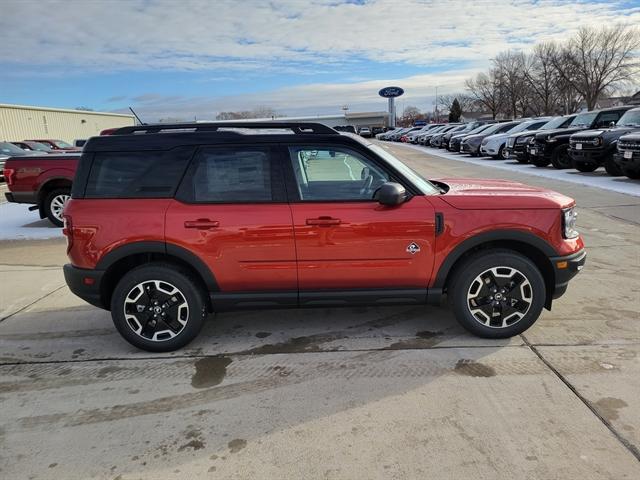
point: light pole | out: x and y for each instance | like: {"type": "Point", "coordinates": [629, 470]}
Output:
{"type": "Point", "coordinates": [437, 114]}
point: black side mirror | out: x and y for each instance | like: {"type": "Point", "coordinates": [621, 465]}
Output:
{"type": "Point", "coordinates": [612, 124]}
{"type": "Point", "coordinates": [390, 193]}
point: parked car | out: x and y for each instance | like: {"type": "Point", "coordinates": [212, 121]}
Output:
{"type": "Point", "coordinates": [590, 149]}
{"type": "Point", "coordinates": [628, 156]}
{"type": "Point", "coordinates": [466, 128]}
{"type": "Point", "coordinates": [404, 136]}
{"type": "Point", "coordinates": [517, 143]}
{"type": "Point", "coordinates": [383, 135]}
{"type": "Point", "coordinates": [9, 150]}
{"type": "Point", "coordinates": [471, 143]}
{"type": "Point", "coordinates": [413, 136]}
{"type": "Point", "coordinates": [42, 180]}
{"type": "Point", "coordinates": [437, 140]}
{"type": "Point", "coordinates": [163, 229]}
{"type": "Point", "coordinates": [496, 145]}
{"type": "Point", "coordinates": [79, 142]}
{"type": "Point", "coordinates": [364, 132]}
{"type": "Point", "coordinates": [56, 144]}
{"type": "Point", "coordinates": [33, 146]}
{"type": "Point", "coordinates": [423, 138]}
{"type": "Point", "coordinates": [553, 146]}
{"type": "Point", "coordinates": [455, 140]}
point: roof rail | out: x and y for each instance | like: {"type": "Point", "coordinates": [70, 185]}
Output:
{"type": "Point", "coordinates": [296, 127]}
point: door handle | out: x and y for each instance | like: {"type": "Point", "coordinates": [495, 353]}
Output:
{"type": "Point", "coordinates": [201, 224]}
{"type": "Point", "coordinates": [323, 221]}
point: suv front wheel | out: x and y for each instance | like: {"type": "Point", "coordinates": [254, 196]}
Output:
{"type": "Point", "coordinates": [158, 307]}
{"type": "Point", "coordinates": [497, 294]}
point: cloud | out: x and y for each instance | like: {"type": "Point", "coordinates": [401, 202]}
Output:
{"type": "Point", "coordinates": [286, 36]}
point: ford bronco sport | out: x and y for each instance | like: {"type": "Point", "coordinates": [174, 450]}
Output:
{"type": "Point", "coordinates": [170, 222]}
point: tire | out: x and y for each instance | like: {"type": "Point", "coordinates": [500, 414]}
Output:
{"type": "Point", "coordinates": [501, 154]}
{"type": "Point", "coordinates": [560, 157]}
{"type": "Point", "coordinates": [523, 159]}
{"type": "Point", "coordinates": [612, 167]}
{"type": "Point", "coordinates": [500, 266]}
{"type": "Point", "coordinates": [585, 167]}
{"type": "Point", "coordinates": [54, 203]}
{"type": "Point", "coordinates": [539, 162]}
{"type": "Point", "coordinates": [631, 173]}
{"type": "Point", "coordinates": [167, 283]}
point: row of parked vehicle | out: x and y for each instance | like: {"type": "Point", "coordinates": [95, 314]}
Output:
{"type": "Point", "coordinates": [36, 147]}
{"type": "Point", "coordinates": [585, 141]}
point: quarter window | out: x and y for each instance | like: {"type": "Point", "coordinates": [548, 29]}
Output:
{"type": "Point", "coordinates": [331, 174]}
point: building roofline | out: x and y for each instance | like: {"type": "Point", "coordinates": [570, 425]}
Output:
{"type": "Point", "coordinates": [65, 110]}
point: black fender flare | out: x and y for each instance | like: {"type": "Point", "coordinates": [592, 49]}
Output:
{"type": "Point", "coordinates": [467, 245]}
{"type": "Point", "coordinates": [164, 248]}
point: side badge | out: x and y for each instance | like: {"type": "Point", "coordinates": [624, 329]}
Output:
{"type": "Point", "coordinates": [413, 248]}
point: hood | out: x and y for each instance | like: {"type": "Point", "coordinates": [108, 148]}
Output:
{"type": "Point", "coordinates": [607, 133]}
{"type": "Point", "coordinates": [497, 136]}
{"type": "Point", "coordinates": [479, 194]}
{"type": "Point", "coordinates": [559, 131]}
{"type": "Point", "coordinates": [631, 137]}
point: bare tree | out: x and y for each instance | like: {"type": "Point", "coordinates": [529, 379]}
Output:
{"type": "Point", "coordinates": [445, 102]}
{"type": "Point", "coordinates": [509, 67]}
{"type": "Point", "coordinates": [596, 61]}
{"type": "Point", "coordinates": [409, 115]}
{"type": "Point", "coordinates": [485, 90]}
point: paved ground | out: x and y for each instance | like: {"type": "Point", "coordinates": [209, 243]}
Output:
{"type": "Point", "coordinates": [362, 393]}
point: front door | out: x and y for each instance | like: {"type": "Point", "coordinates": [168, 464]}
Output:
{"type": "Point", "coordinates": [231, 212]}
{"type": "Point", "coordinates": [345, 240]}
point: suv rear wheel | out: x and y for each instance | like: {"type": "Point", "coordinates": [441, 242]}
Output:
{"type": "Point", "coordinates": [54, 203]}
{"type": "Point", "coordinates": [497, 294]}
{"type": "Point", "coordinates": [158, 307]}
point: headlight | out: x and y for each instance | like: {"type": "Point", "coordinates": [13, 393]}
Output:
{"type": "Point", "coordinates": [569, 217]}
{"type": "Point", "coordinates": [597, 141]}
{"type": "Point", "coordinates": [550, 139]}
{"type": "Point", "coordinates": [521, 140]}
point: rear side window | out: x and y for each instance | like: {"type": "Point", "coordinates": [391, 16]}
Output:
{"type": "Point", "coordinates": [153, 174]}
{"type": "Point", "coordinates": [231, 175]}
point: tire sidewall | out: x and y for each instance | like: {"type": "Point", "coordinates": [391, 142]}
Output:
{"type": "Point", "coordinates": [561, 152]}
{"type": "Point", "coordinates": [181, 280]}
{"type": "Point", "coordinates": [478, 264]}
{"type": "Point", "coordinates": [47, 205]}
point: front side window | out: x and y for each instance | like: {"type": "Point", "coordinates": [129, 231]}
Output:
{"type": "Point", "coordinates": [231, 175]}
{"type": "Point", "coordinates": [61, 144]}
{"type": "Point", "coordinates": [333, 174]}
{"type": "Point", "coordinates": [605, 119]}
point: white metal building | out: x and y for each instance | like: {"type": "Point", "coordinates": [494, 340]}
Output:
{"type": "Point", "coordinates": [20, 122]}
{"type": "Point", "coordinates": [356, 119]}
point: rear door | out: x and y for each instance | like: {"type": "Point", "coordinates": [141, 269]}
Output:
{"type": "Point", "coordinates": [231, 212]}
{"type": "Point", "coordinates": [345, 240]}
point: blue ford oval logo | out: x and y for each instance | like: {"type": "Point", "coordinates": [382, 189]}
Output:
{"type": "Point", "coordinates": [390, 92]}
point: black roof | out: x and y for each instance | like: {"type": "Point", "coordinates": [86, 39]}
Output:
{"type": "Point", "coordinates": [164, 136]}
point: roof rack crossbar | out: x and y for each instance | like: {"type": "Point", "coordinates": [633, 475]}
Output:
{"type": "Point", "coordinates": [296, 127]}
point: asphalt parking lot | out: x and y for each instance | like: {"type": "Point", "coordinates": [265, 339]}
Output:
{"type": "Point", "coordinates": [394, 392]}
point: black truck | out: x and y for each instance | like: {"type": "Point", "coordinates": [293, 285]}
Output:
{"type": "Point", "coordinates": [627, 157]}
{"type": "Point", "coordinates": [553, 146]}
{"type": "Point", "coordinates": [592, 148]}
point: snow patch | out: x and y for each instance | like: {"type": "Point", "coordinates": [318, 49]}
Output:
{"type": "Point", "coordinates": [18, 223]}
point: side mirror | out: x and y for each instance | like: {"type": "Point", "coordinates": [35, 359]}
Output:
{"type": "Point", "coordinates": [612, 124]}
{"type": "Point", "coordinates": [390, 194]}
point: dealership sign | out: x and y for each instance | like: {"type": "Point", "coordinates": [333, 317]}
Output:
{"type": "Point", "coordinates": [391, 92]}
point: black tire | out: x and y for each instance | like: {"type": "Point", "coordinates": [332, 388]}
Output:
{"type": "Point", "coordinates": [522, 159]}
{"type": "Point", "coordinates": [467, 277]}
{"type": "Point", "coordinates": [612, 167]}
{"type": "Point", "coordinates": [539, 162]}
{"type": "Point", "coordinates": [501, 154]}
{"type": "Point", "coordinates": [560, 157]}
{"type": "Point", "coordinates": [51, 205]}
{"type": "Point", "coordinates": [585, 167]}
{"type": "Point", "coordinates": [188, 291]}
{"type": "Point", "coordinates": [631, 173]}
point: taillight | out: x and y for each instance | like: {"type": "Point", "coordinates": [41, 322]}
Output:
{"type": "Point", "coordinates": [9, 176]}
{"type": "Point", "coordinates": [67, 231]}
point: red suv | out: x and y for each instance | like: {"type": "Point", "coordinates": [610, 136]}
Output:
{"type": "Point", "coordinates": [168, 223]}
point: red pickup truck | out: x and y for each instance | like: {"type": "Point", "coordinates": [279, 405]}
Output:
{"type": "Point", "coordinates": [41, 180]}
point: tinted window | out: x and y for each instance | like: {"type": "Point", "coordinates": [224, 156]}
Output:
{"type": "Point", "coordinates": [607, 117]}
{"type": "Point", "coordinates": [231, 175]}
{"type": "Point", "coordinates": [331, 174]}
{"type": "Point", "coordinates": [137, 174]}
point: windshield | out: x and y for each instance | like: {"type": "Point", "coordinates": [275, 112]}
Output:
{"type": "Point", "coordinates": [61, 144]}
{"type": "Point", "coordinates": [630, 119]}
{"type": "Point", "coordinates": [584, 119]}
{"type": "Point", "coordinates": [11, 150]}
{"type": "Point", "coordinates": [521, 127]}
{"type": "Point", "coordinates": [553, 124]}
{"type": "Point", "coordinates": [480, 129]}
{"type": "Point", "coordinates": [40, 147]}
{"type": "Point", "coordinates": [424, 185]}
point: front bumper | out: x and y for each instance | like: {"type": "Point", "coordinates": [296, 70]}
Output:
{"type": "Point", "coordinates": [631, 163]}
{"type": "Point", "coordinates": [565, 268]}
{"type": "Point", "coordinates": [466, 148]}
{"type": "Point", "coordinates": [592, 155]}
{"type": "Point", "coordinates": [538, 150]}
{"type": "Point", "coordinates": [86, 284]}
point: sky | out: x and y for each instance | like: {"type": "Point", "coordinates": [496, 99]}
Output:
{"type": "Point", "coordinates": [184, 59]}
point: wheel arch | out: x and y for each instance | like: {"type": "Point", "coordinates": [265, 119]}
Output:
{"type": "Point", "coordinates": [531, 246]}
{"type": "Point", "coordinates": [122, 259]}
{"type": "Point", "coordinates": [49, 185]}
